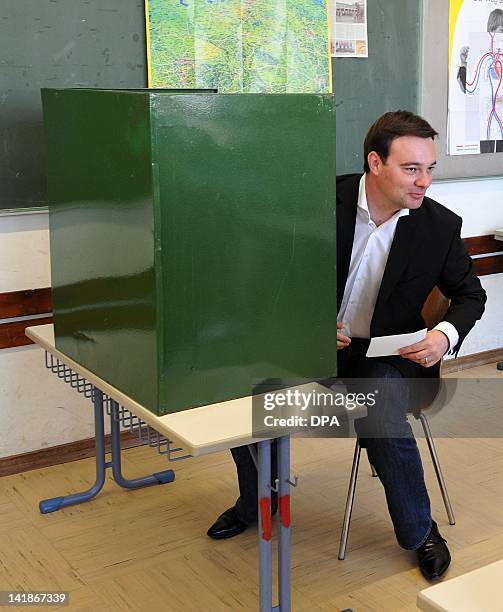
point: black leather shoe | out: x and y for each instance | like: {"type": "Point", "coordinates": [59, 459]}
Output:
{"type": "Point", "coordinates": [227, 525]}
{"type": "Point", "coordinates": [433, 556]}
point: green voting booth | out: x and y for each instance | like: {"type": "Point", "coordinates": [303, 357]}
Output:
{"type": "Point", "coordinates": [192, 239]}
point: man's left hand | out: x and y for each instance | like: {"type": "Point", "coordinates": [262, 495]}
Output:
{"type": "Point", "coordinates": [429, 351]}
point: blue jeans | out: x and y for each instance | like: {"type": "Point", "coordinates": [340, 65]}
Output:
{"type": "Point", "coordinates": [247, 502]}
{"type": "Point", "coordinates": [391, 446]}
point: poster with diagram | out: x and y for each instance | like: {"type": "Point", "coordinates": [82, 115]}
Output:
{"type": "Point", "coordinates": [475, 119]}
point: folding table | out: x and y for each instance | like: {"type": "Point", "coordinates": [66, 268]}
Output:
{"type": "Point", "coordinates": [198, 431]}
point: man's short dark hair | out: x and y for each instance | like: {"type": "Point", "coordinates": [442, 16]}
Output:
{"type": "Point", "coordinates": [390, 126]}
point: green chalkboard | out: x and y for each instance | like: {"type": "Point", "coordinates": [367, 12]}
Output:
{"type": "Point", "coordinates": [388, 80]}
{"type": "Point", "coordinates": [101, 43]}
{"type": "Point", "coordinates": [57, 43]}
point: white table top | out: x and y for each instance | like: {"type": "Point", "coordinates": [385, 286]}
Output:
{"type": "Point", "coordinates": [199, 431]}
{"type": "Point", "coordinates": [475, 591]}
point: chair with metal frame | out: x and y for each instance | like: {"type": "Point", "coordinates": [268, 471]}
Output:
{"type": "Point", "coordinates": [433, 312]}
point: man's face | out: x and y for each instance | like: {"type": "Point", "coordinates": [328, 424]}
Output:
{"type": "Point", "coordinates": [407, 173]}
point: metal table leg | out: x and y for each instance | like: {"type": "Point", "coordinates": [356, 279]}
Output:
{"type": "Point", "coordinates": [265, 525]}
{"type": "Point", "coordinates": [156, 478]}
{"type": "Point", "coordinates": [284, 548]}
{"type": "Point", "coordinates": [56, 503]}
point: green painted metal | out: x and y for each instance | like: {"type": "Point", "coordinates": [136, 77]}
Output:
{"type": "Point", "coordinates": [192, 239]}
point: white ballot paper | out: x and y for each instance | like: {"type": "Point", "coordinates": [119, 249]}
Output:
{"type": "Point", "coordinates": [389, 345]}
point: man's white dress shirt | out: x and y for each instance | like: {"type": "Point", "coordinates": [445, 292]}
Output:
{"type": "Point", "coordinates": [371, 247]}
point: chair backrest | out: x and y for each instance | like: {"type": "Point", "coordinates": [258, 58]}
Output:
{"type": "Point", "coordinates": [435, 307]}
{"type": "Point", "coordinates": [433, 312]}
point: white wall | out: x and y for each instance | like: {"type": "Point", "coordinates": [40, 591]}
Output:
{"type": "Point", "coordinates": [480, 204]}
{"type": "Point", "coordinates": [37, 410]}
{"type": "Point", "coordinates": [24, 252]}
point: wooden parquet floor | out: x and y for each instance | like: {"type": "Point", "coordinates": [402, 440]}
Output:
{"type": "Point", "coordinates": [148, 550]}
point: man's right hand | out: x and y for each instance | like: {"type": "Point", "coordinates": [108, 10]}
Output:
{"type": "Point", "coordinates": [342, 340]}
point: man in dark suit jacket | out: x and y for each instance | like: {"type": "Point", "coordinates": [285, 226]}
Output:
{"type": "Point", "coordinates": [394, 245]}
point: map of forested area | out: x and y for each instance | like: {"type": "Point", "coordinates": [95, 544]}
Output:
{"type": "Point", "coordinates": [260, 46]}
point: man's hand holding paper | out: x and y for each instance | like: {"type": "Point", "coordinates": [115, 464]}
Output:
{"type": "Point", "coordinates": [423, 347]}
{"type": "Point", "coordinates": [429, 351]}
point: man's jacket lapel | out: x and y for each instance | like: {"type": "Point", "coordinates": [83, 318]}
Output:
{"type": "Point", "coordinates": [400, 253]}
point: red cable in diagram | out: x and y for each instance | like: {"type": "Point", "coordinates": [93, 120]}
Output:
{"type": "Point", "coordinates": [495, 67]}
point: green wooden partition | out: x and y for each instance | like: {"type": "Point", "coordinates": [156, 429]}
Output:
{"type": "Point", "coordinates": [192, 239]}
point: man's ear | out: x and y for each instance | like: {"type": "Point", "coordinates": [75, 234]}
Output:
{"type": "Point", "coordinates": [375, 163]}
